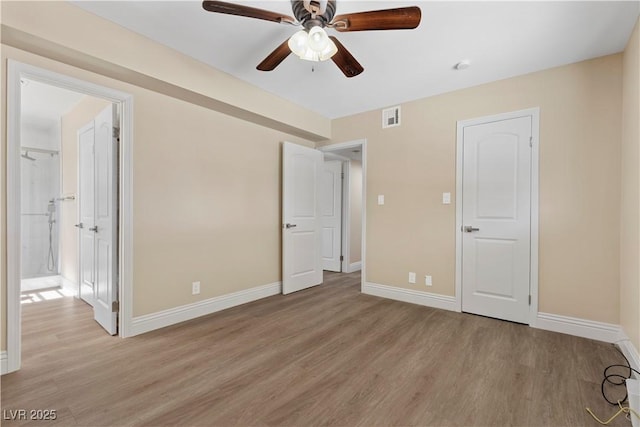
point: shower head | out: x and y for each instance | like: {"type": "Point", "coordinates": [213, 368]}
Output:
{"type": "Point", "coordinates": [26, 156]}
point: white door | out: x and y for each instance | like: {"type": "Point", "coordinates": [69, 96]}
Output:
{"type": "Point", "coordinates": [301, 232]}
{"type": "Point", "coordinates": [496, 219]}
{"type": "Point", "coordinates": [331, 208]}
{"type": "Point", "coordinates": [105, 285]}
{"type": "Point", "coordinates": [86, 211]}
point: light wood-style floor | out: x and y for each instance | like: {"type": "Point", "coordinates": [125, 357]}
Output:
{"type": "Point", "coordinates": [325, 356]}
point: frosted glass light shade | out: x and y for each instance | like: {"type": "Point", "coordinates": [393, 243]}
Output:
{"type": "Point", "coordinates": [298, 42]}
{"type": "Point", "coordinates": [318, 39]}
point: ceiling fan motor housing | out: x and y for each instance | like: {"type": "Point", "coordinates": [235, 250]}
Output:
{"type": "Point", "coordinates": [305, 18]}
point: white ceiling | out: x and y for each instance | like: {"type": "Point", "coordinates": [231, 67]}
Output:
{"type": "Point", "coordinates": [43, 105]}
{"type": "Point", "coordinates": [501, 39]}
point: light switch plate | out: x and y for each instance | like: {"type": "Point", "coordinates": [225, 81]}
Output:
{"type": "Point", "coordinates": [381, 199]}
{"type": "Point", "coordinates": [446, 198]}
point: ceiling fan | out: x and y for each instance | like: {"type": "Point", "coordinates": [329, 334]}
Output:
{"type": "Point", "coordinates": [312, 42]}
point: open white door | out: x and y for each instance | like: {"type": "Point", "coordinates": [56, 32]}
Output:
{"type": "Point", "coordinates": [331, 208]}
{"type": "Point", "coordinates": [301, 234]}
{"type": "Point", "coordinates": [86, 211]}
{"type": "Point", "coordinates": [106, 286]}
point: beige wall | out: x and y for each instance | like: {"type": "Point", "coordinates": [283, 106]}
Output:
{"type": "Point", "coordinates": [630, 212]}
{"type": "Point", "coordinates": [412, 165]}
{"type": "Point", "coordinates": [355, 204]}
{"type": "Point", "coordinates": [79, 116]}
{"type": "Point", "coordinates": [206, 191]}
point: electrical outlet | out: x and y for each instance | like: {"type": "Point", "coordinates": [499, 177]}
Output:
{"type": "Point", "coordinates": [428, 281]}
{"type": "Point", "coordinates": [195, 288]}
{"type": "Point", "coordinates": [412, 277]}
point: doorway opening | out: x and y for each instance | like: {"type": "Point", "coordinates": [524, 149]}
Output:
{"type": "Point", "coordinates": [45, 110]}
{"type": "Point", "coordinates": [351, 158]}
{"type": "Point", "coordinates": [302, 214]}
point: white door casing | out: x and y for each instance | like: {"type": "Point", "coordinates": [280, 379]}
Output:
{"type": "Point", "coordinates": [86, 212]}
{"type": "Point", "coordinates": [331, 209]}
{"type": "Point", "coordinates": [496, 218]}
{"type": "Point", "coordinates": [105, 285]}
{"type": "Point", "coordinates": [301, 225]}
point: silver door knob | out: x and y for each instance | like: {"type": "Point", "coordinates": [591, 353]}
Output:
{"type": "Point", "coordinates": [95, 229]}
{"type": "Point", "coordinates": [469, 229]}
{"type": "Point", "coordinates": [79, 225]}
{"type": "Point", "coordinates": [287, 225]}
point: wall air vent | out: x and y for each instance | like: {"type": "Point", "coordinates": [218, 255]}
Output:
{"type": "Point", "coordinates": [391, 117]}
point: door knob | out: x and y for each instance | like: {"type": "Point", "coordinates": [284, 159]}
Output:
{"type": "Point", "coordinates": [79, 225]}
{"type": "Point", "coordinates": [469, 229]}
{"type": "Point", "coordinates": [95, 229]}
{"type": "Point", "coordinates": [287, 225]}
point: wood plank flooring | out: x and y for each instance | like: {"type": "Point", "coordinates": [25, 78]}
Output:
{"type": "Point", "coordinates": [325, 356]}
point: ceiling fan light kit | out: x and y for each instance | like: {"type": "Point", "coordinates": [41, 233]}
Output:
{"type": "Point", "coordinates": [312, 46]}
{"type": "Point", "coordinates": [312, 43]}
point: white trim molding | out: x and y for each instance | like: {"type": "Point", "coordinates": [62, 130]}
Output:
{"type": "Point", "coordinates": [629, 351]}
{"type": "Point", "coordinates": [600, 331]}
{"type": "Point", "coordinates": [355, 266]}
{"type": "Point", "coordinates": [427, 299]}
{"type": "Point", "coordinates": [161, 319]}
{"type": "Point", "coordinates": [4, 368]}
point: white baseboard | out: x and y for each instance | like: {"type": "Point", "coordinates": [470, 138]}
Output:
{"type": "Point", "coordinates": [629, 351]}
{"type": "Point", "coordinates": [599, 331]}
{"type": "Point", "coordinates": [161, 319]}
{"type": "Point", "coordinates": [355, 266]}
{"type": "Point", "coordinates": [408, 295]}
{"type": "Point", "coordinates": [4, 367]}
{"type": "Point", "coordinates": [69, 285]}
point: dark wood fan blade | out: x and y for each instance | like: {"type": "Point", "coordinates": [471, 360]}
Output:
{"type": "Point", "coordinates": [403, 18]}
{"type": "Point", "coordinates": [345, 61]}
{"type": "Point", "coordinates": [275, 58]}
{"type": "Point", "coordinates": [249, 12]}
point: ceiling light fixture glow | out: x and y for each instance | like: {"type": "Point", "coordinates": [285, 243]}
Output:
{"type": "Point", "coordinates": [312, 46]}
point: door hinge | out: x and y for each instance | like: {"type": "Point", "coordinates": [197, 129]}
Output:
{"type": "Point", "coordinates": [531, 141]}
{"type": "Point", "coordinates": [116, 133]}
{"type": "Point", "coordinates": [341, 258]}
{"type": "Point", "coordinates": [115, 306]}
{"type": "Point", "coordinates": [342, 175]}
{"type": "Point", "coordinates": [529, 299]}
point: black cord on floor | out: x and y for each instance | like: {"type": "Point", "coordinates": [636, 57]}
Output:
{"type": "Point", "coordinates": [617, 379]}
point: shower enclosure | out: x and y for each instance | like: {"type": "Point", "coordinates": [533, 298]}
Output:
{"type": "Point", "coordinates": [40, 190]}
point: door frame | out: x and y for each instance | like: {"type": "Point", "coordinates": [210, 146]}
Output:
{"type": "Point", "coordinates": [534, 113]}
{"type": "Point", "coordinates": [15, 71]}
{"type": "Point", "coordinates": [362, 144]}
